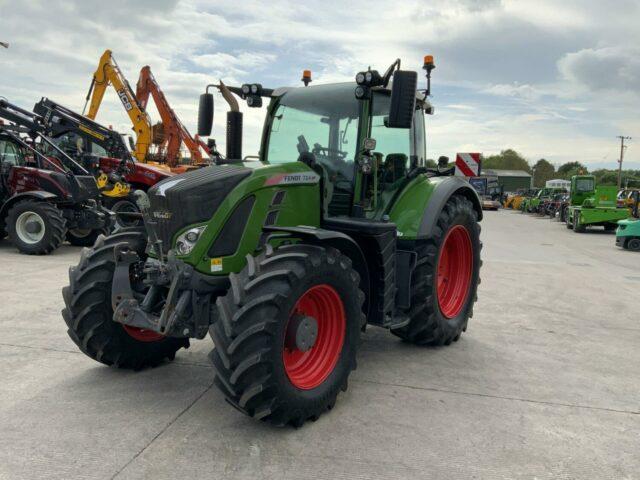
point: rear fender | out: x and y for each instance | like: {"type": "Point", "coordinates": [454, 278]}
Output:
{"type": "Point", "coordinates": [417, 209]}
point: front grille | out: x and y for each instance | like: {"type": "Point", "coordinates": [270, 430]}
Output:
{"type": "Point", "coordinates": [190, 198]}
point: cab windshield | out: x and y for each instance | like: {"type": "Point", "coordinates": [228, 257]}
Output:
{"type": "Point", "coordinates": [321, 121]}
{"type": "Point", "coordinates": [584, 184]}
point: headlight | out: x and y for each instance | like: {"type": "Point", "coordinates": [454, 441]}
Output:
{"type": "Point", "coordinates": [246, 88]}
{"type": "Point", "coordinates": [254, 89]}
{"type": "Point", "coordinates": [368, 77]}
{"type": "Point", "coordinates": [187, 240]}
{"type": "Point", "coordinates": [360, 78]}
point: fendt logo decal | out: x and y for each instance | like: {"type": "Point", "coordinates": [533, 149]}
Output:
{"type": "Point", "coordinates": [125, 100]}
{"type": "Point", "coordinates": [162, 215]}
{"type": "Point", "coordinates": [292, 179]}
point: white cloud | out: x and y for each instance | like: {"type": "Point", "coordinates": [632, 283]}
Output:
{"type": "Point", "coordinates": [604, 69]}
{"type": "Point", "coordinates": [550, 79]}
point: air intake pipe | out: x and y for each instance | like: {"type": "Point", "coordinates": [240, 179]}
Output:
{"type": "Point", "coordinates": [234, 125]}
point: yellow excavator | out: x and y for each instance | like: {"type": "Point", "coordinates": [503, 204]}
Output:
{"type": "Point", "coordinates": [108, 73]}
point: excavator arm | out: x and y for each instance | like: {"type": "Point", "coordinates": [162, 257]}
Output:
{"type": "Point", "coordinates": [174, 130]}
{"type": "Point", "coordinates": [108, 73]}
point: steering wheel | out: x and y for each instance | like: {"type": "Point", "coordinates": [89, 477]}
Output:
{"type": "Point", "coordinates": [328, 152]}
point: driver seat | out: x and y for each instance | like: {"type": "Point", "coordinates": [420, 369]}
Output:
{"type": "Point", "coordinates": [395, 167]}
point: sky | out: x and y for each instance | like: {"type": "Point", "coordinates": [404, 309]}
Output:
{"type": "Point", "coordinates": [554, 80]}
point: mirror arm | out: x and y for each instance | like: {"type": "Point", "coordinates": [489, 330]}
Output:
{"type": "Point", "coordinates": [387, 75]}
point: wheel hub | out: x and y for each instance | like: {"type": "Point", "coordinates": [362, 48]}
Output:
{"type": "Point", "coordinates": [455, 266]}
{"type": "Point", "coordinates": [302, 333]}
{"type": "Point", "coordinates": [33, 227]}
{"type": "Point", "coordinates": [30, 227]}
{"type": "Point", "coordinates": [314, 337]}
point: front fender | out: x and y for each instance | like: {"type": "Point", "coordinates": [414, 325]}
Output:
{"type": "Point", "coordinates": [416, 210]}
{"type": "Point", "coordinates": [35, 194]}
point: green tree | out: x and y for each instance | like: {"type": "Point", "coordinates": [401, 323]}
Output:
{"type": "Point", "coordinates": [431, 163]}
{"type": "Point", "coordinates": [508, 159]}
{"type": "Point", "coordinates": [543, 171]}
{"type": "Point", "coordinates": [571, 168]}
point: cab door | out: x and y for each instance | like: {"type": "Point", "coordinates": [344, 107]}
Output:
{"type": "Point", "coordinates": [397, 151]}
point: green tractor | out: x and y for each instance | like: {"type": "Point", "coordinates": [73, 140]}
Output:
{"type": "Point", "coordinates": [591, 206]}
{"type": "Point", "coordinates": [539, 202]}
{"type": "Point", "coordinates": [529, 195]}
{"type": "Point", "coordinates": [285, 264]}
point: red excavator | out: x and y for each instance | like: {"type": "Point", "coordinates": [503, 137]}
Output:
{"type": "Point", "coordinates": [174, 132]}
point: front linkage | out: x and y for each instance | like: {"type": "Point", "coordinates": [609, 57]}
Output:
{"type": "Point", "coordinates": [184, 293]}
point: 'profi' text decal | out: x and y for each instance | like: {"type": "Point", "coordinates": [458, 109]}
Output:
{"type": "Point", "coordinates": [292, 178]}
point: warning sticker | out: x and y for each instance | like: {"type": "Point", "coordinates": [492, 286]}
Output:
{"type": "Point", "coordinates": [216, 264]}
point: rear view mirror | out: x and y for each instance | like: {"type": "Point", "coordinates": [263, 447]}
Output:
{"type": "Point", "coordinates": [403, 99]}
{"type": "Point", "coordinates": [205, 115]}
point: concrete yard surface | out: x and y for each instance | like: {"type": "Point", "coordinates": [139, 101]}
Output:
{"type": "Point", "coordinates": [544, 384]}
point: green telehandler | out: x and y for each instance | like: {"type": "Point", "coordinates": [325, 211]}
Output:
{"type": "Point", "coordinates": [285, 264]}
{"type": "Point", "coordinates": [591, 206]}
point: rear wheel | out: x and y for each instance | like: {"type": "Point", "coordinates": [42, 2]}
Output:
{"type": "Point", "coordinates": [446, 278]}
{"type": "Point", "coordinates": [89, 315]}
{"type": "Point", "coordinates": [35, 227]}
{"type": "Point", "coordinates": [287, 332]}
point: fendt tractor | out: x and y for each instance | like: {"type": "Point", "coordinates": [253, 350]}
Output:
{"type": "Point", "coordinates": [284, 265]}
{"type": "Point", "coordinates": [45, 196]}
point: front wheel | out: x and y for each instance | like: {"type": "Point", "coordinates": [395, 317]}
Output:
{"type": "Point", "coordinates": [287, 333]}
{"type": "Point", "coordinates": [123, 208]}
{"type": "Point", "coordinates": [89, 315]}
{"type": "Point", "coordinates": [36, 227]}
{"type": "Point", "coordinates": [80, 237]}
{"type": "Point", "coordinates": [446, 278]}
{"type": "Point", "coordinates": [633, 244]}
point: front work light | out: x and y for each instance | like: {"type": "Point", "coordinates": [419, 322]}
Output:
{"type": "Point", "coordinates": [187, 240]}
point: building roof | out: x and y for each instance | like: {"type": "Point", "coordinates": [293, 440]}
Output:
{"type": "Point", "coordinates": [505, 173]}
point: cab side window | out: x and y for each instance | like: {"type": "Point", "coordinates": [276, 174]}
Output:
{"type": "Point", "coordinates": [9, 153]}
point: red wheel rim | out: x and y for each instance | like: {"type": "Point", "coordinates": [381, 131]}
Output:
{"type": "Point", "coordinates": [307, 370]}
{"type": "Point", "coordinates": [142, 335]}
{"type": "Point", "coordinates": [455, 265]}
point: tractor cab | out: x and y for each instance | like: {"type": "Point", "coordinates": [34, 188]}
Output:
{"type": "Point", "coordinates": [582, 187]}
{"type": "Point", "coordinates": [332, 131]}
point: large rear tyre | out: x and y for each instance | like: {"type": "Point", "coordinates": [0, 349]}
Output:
{"type": "Point", "coordinates": [36, 227]}
{"type": "Point", "coordinates": [446, 278]}
{"type": "Point", "coordinates": [89, 315]}
{"type": "Point", "coordinates": [287, 333]}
